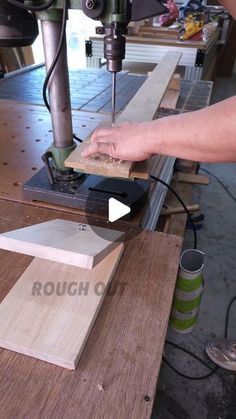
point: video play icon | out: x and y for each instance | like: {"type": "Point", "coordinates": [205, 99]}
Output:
{"type": "Point", "coordinates": [117, 210]}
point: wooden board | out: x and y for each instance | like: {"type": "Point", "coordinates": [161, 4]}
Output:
{"type": "Point", "coordinates": [36, 320]}
{"type": "Point", "coordinates": [158, 31]}
{"type": "Point", "coordinates": [124, 350]}
{"type": "Point", "coordinates": [172, 93]}
{"type": "Point", "coordinates": [170, 99]}
{"type": "Point", "coordinates": [63, 241]}
{"type": "Point", "coordinates": [193, 178]}
{"type": "Point", "coordinates": [143, 107]}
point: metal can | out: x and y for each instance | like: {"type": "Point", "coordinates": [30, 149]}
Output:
{"type": "Point", "coordinates": [188, 292]}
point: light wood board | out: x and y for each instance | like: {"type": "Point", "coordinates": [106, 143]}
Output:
{"type": "Point", "coordinates": [172, 93]}
{"type": "Point", "coordinates": [36, 320]}
{"type": "Point", "coordinates": [63, 241]}
{"type": "Point", "coordinates": [143, 107]}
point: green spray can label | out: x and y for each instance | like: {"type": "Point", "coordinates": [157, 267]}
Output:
{"type": "Point", "coordinates": [188, 292]}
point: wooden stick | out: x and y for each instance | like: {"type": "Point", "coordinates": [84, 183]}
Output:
{"type": "Point", "coordinates": [170, 210]}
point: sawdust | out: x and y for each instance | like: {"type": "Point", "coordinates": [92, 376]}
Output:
{"type": "Point", "coordinates": [104, 159]}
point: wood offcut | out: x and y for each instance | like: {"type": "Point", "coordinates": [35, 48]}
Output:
{"type": "Point", "coordinates": [63, 241]}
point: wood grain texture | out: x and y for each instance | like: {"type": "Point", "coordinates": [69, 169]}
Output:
{"type": "Point", "coordinates": [142, 108]}
{"type": "Point", "coordinates": [63, 241]}
{"type": "Point", "coordinates": [51, 310]}
{"type": "Point", "coordinates": [193, 179]}
{"type": "Point", "coordinates": [172, 93]}
{"type": "Point", "coordinates": [124, 350]}
{"type": "Point", "coordinates": [170, 99]}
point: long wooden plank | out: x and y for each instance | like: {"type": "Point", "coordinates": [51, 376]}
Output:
{"type": "Point", "coordinates": [142, 108]}
{"type": "Point", "coordinates": [63, 241]}
{"type": "Point", "coordinates": [50, 311]}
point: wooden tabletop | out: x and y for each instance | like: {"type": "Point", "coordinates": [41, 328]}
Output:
{"type": "Point", "coordinates": [117, 374]}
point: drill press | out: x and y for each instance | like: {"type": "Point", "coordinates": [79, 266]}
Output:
{"type": "Point", "coordinates": [56, 183]}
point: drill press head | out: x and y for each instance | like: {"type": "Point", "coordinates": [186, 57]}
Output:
{"type": "Point", "coordinates": [18, 28]}
{"type": "Point", "coordinates": [115, 16]}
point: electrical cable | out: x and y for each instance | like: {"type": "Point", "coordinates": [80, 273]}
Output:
{"type": "Point", "coordinates": [39, 8]}
{"type": "Point", "coordinates": [57, 55]}
{"type": "Point", "coordinates": [189, 377]}
{"type": "Point", "coordinates": [220, 182]}
{"type": "Point", "coordinates": [183, 205]}
{"type": "Point", "coordinates": [186, 351]}
{"type": "Point", "coordinates": [213, 370]}
{"type": "Point", "coordinates": [55, 60]}
{"type": "Point", "coordinates": [228, 316]}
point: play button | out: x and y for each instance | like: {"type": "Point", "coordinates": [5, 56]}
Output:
{"type": "Point", "coordinates": [118, 201]}
{"type": "Point", "coordinates": [117, 210]}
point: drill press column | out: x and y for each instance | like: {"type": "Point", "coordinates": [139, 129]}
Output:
{"type": "Point", "coordinates": [59, 93]}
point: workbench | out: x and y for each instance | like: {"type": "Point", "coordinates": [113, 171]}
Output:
{"type": "Point", "coordinates": [198, 57]}
{"type": "Point", "coordinates": [118, 372]}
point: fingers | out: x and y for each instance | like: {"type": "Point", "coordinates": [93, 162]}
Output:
{"type": "Point", "coordinates": [101, 133]}
{"type": "Point", "coordinates": [103, 148]}
{"type": "Point", "coordinates": [113, 134]}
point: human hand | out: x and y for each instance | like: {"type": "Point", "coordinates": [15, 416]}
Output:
{"type": "Point", "coordinates": [125, 142]}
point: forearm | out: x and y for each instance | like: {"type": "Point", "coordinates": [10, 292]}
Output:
{"type": "Point", "coordinates": [208, 135]}
{"type": "Point", "coordinates": [230, 5]}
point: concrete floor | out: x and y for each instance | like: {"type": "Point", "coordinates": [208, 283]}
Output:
{"type": "Point", "coordinates": [213, 398]}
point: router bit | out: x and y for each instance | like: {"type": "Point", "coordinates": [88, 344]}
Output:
{"type": "Point", "coordinates": [113, 99]}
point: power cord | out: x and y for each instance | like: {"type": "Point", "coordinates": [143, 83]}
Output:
{"type": "Point", "coordinates": [55, 60]}
{"type": "Point", "coordinates": [220, 182]}
{"type": "Point", "coordinates": [212, 370]}
{"type": "Point", "coordinates": [186, 351]}
{"type": "Point", "coordinates": [39, 8]}
{"type": "Point", "coordinates": [183, 205]}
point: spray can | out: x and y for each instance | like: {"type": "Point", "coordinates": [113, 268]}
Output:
{"type": "Point", "coordinates": [188, 292]}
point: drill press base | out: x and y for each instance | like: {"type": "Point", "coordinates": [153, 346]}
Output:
{"type": "Point", "coordinates": [89, 192]}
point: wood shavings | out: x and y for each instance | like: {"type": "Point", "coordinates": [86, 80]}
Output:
{"type": "Point", "coordinates": [100, 387]}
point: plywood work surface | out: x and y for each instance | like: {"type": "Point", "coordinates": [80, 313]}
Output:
{"type": "Point", "coordinates": [50, 311]}
{"type": "Point", "coordinates": [25, 135]}
{"type": "Point", "coordinates": [63, 241]}
{"type": "Point", "coordinates": [142, 108]}
{"type": "Point", "coordinates": [121, 360]}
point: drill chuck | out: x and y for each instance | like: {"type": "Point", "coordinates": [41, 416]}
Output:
{"type": "Point", "coordinates": [114, 52]}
